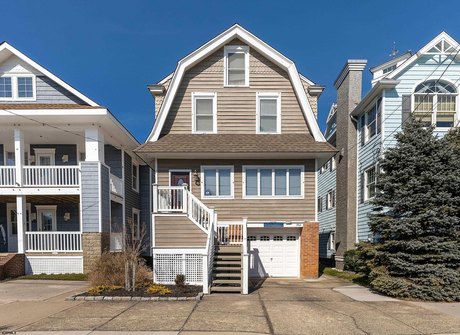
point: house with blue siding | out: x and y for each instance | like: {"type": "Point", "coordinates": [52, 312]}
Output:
{"type": "Point", "coordinates": [424, 84]}
{"type": "Point", "coordinates": [69, 179]}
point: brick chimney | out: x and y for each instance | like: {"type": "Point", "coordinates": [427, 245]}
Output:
{"type": "Point", "coordinates": [349, 88]}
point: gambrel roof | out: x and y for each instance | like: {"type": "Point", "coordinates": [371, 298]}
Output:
{"type": "Point", "coordinates": [6, 50]}
{"type": "Point", "coordinates": [236, 31]}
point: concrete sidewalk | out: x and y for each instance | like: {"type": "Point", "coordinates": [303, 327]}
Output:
{"type": "Point", "coordinates": [280, 306]}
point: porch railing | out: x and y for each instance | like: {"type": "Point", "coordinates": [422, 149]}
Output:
{"type": "Point", "coordinates": [230, 233]}
{"type": "Point", "coordinates": [7, 176]}
{"type": "Point", "coordinates": [51, 176]}
{"type": "Point", "coordinates": [53, 241]}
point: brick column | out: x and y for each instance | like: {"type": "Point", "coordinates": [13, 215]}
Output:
{"type": "Point", "coordinates": [309, 250]}
{"type": "Point", "coordinates": [94, 244]}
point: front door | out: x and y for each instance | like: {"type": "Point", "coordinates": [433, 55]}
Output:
{"type": "Point", "coordinates": [46, 218]}
{"type": "Point", "coordinates": [12, 226]}
{"type": "Point", "coordinates": [179, 178]}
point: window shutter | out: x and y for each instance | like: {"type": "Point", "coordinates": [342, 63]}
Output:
{"type": "Point", "coordinates": [406, 108]}
{"type": "Point", "coordinates": [361, 200]}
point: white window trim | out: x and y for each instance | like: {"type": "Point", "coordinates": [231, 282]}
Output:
{"type": "Point", "coordinates": [319, 204]}
{"type": "Point", "coordinates": [14, 86]}
{"type": "Point", "coordinates": [135, 187]}
{"type": "Point", "coordinates": [53, 209]}
{"type": "Point", "coordinates": [366, 191]}
{"type": "Point", "coordinates": [207, 95]}
{"type": "Point", "coordinates": [434, 112]}
{"type": "Point", "coordinates": [189, 171]}
{"type": "Point", "coordinates": [268, 95]}
{"type": "Point", "coordinates": [45, 152]}
{"type": "Point", "coordinates": [273, 167]}
{"type": "Point", "coordinates": [217, 167]}
{"type": "Point", "coordinates": [331, 241]}
{"type": "Point", "coordinates": [237, 49]}
{"type": "Point", "coordinates": [365, 131]}
{"type": "Point", "coordinates": [138, 223]}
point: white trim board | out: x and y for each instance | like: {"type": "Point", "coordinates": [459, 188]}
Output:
{"type": "Point", "coordinates": [236, 31]}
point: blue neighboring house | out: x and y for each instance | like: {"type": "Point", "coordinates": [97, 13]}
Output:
{"type": "Point", "coordinates": [425, 84]}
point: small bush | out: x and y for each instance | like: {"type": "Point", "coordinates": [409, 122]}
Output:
{"type": "Point", "coordinates": [359, 260]}
{"type": "Point", "coordinates": [180, 280]}
{"type": "Point", "coordinates": [158, 288]}
{"type": "Point", "coordinates": [109, 270]}
{"type": "Point", "coordinates": [96, 290]}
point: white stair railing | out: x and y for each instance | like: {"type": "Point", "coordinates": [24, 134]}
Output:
{"type": "Point", "coordinates": [171, 199]}
{"type": "Point", "coordinates": [199, 213]}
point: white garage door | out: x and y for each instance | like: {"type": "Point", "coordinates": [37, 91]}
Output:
{"type": "Point", "coordinates": [274, 253]}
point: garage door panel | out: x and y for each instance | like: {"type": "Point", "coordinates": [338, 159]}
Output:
{"type": "Point", "coordinates": [274, 254]}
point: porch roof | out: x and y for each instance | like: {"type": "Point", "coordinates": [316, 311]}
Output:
{"type": "Point", "coordinates": [299, 145]}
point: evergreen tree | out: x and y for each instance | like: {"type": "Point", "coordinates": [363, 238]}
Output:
{"type": "Point", "coordinates": [418, 249]}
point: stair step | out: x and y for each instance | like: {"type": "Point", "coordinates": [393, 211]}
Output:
{"type": "Point", "coordinates": [238, 262]}
{"type": "Point", "coordinates": [227, 268]}
{"type": "Point", "coordinates": [228, 257]}
{"type": "Point", "coordinates": [225, 289]}
{"type": "Point", "coordinates": [228, 275]}
{"type": "Point", "coordinates": [226, 281]}
{"type": "Point", "coordinates": [228, 248]}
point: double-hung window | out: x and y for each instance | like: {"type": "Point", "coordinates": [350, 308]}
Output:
{"type": "Point", "coordinates": [217, 181]}
{"type": "Point", "coordinates": [17, 87]}
{"type": "Point", "coordinates": [204, 112]}
{"type": "Point", "coordinates": [330, 199]}
{"type": "Point", "coordinates": [135, 175]}
{"type": "Point", "coordinates": [279, 181]}
{"type": "Point", "coordinates": [268, 112]}
{"type": "Point", "coordinates": [6, 88]}
{"type": "Point", "coordinates": [236, 60]}
{"type": "Point", "coordinates": [372, 121]}
{"type": "Point", "coordinates": [319, 204]}
{"type": "Point", "coordinates": [370, 182]}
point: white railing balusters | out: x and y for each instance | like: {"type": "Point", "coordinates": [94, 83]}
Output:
{"type": "Point", "coordinates": [51, 176]}
{"type": "Point", "coordinates": [53, 241]}
{"type": "Point", "coordinates": [7, 176]}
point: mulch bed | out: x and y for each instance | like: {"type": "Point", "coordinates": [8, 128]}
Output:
{"type": "Point", "coordinates": [176, 291]}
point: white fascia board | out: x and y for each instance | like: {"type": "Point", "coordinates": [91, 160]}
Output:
{"type": "Point", "coordinates": [422, 51]}
{"type": "Point", "coordinates": [373, 93]}
{"type": "Point", "coordinates": [53, 112]}
{"type": "Point", "coordinates": [47, 73]}
{"type": "Point", "coordinates": [254, 42]}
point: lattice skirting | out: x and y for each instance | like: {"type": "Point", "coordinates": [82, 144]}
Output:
{"type": "Point", "coordinates": [54, 264]}
{"type": "Point", "coordinates": [168, 266]}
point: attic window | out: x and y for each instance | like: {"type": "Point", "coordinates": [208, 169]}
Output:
{"type": "Point", "coordinates": [17, 87]}
{"type": "Point", "coordinates": [389, 69]}
{"type": "Point", "coordinates": [236, 63]}
{"type": "Point", "coordinates": [442, 47]}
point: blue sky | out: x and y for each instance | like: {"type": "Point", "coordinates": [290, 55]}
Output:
{"type": "Point", "coordinates": [110, 50]}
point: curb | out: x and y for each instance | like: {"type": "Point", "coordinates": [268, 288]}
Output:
{"type": "Point", "coordinates": [78, 297]}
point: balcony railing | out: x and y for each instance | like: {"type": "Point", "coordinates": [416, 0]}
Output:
{"type": "Point", "coordinates": [52, 176]}
{"type": "Point", "coordinates": [7, 176]}
{"type": "Point", "coordinates": [53, 241]}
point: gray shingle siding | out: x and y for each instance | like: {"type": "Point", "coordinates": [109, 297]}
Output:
{"type": "Point", "coordinates": [90, 196]}
{"type": "Point", "coordinates": [145, 192]}
{"type": "Point", "coordinates": [112, 158]}
{"type": "Point", "coordinates": [61, 149]}
{"type": "Point", "coordinates": [105, 198]}
{"type": "Point", "coordinates": [131, 197]}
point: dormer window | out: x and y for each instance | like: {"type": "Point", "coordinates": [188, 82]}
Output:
{"type": "Point", "coordinates": [17, 87]}
{"type": "Point", "coordinates": [6, 89]}
{"type": "Point", "coordinates": [435, 103]}
{"type": "Point", "coordinates": [204, 113]}
{"type": "Point", "coordinates": [236, 60]}
{"type": "Point", "coordinates": [268, 113]}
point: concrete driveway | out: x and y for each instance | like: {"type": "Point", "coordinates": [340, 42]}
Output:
{"type": "Point", "coordinates": [325, 306]}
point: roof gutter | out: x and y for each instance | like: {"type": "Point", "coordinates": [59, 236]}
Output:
{"type": "Point", "coordinates": [373, 93]}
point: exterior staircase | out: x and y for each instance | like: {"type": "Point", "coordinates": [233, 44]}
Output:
{"type": "Point", "coordinates": [227, 269]}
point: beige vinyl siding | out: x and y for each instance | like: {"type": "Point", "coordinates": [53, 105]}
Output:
{"type": "Point", "coordinates": [178, 231]}
{"type": "Point", "coordinates": [236, 106]}
{"type": "Point", "coordinates": [160, 98]}
{"type": "Point", "coordinates": [254, 209]}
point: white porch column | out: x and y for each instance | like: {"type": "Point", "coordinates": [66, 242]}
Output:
{"type": "Point", "coordinates": [94, 145]}
{"type": "Point", "coordinates": [245, 257]}
{"type": "Point", "coordinates": [19, 154]}
{"type": "Point", "coordinates": [21, 221]}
